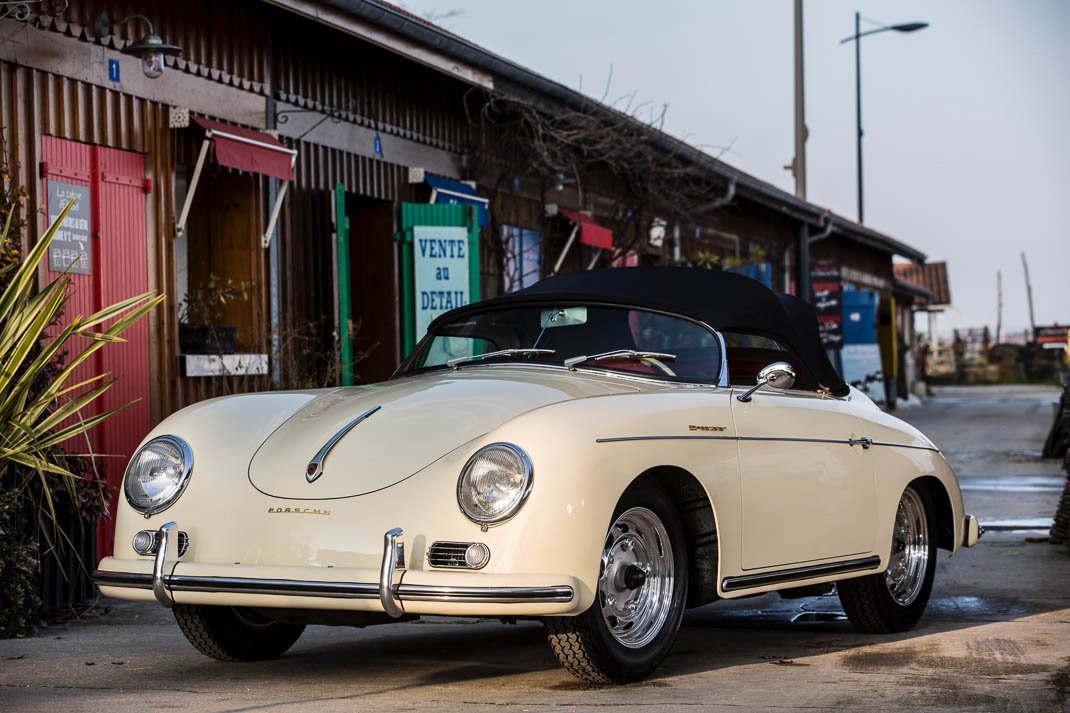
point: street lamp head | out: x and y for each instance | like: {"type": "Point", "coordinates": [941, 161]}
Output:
{"type": "Point", "coordinates": [909, 26]}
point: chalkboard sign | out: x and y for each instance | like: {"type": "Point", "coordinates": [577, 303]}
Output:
{"type": "Point", "coordinates": [825, 289]}
{"type": "Point", "coordinates": [70, 248]}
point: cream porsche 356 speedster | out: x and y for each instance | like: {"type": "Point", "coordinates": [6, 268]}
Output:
{"type": "Point", "coordinates": [600, 452]}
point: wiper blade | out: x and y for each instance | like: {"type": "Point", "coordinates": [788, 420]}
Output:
{"type": "Point", "coordinates": [454, 363]}
{"type": "Point", "coordinates": [630, 354]}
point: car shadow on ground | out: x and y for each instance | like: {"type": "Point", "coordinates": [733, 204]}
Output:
{"type": "Point", "coordinates": [761, 630]}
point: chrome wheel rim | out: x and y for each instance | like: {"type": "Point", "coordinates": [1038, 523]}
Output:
{"type": "Point", "coordinates": [636, 579]}
{"type": "Point", "coordinates": [910, 550]}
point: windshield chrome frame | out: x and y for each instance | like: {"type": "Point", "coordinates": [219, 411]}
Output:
{"type": "Point", "coordinates": [722, 374]}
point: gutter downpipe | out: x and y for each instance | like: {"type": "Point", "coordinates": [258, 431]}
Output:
{"type": "Point", "coordinates": [828, 226]}
{"type": "Point", "coordinates": [802, 250]}
{"type": "Point", "coordinates": [728, 197]}
{"type": "Point", "coordinates": [802, 253]}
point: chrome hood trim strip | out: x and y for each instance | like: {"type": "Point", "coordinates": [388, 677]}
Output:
{"type": "Point", "coordinates": [315, 466]}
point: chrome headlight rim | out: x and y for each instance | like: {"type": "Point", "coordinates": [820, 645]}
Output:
{"type": "Point", "coordinates": [529, 482]}
{"type": "Point", "coordinates": [187, 471]}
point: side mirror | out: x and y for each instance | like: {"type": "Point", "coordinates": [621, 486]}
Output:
{"type": "Point", "coordinates": [778, 375]}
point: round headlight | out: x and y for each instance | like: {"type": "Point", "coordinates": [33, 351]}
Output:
{"type": "Point", "coordinates": [494, 483]}
{"type": "Point", "coordinates": [157, 474]}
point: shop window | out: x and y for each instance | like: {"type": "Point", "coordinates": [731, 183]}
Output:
{"type": "Point", "coordinates": [218, 265]}
{"type": "Point", "coordinates": [522, 263]}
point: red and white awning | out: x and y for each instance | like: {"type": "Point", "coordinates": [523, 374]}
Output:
{"type": "Point", "coordinates": [243, 150]}
{"type": "Point", "coordinates": [591, 233]}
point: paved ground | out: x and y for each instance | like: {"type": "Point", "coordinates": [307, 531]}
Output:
{"type": "Point", "coordinates": [996, 637]}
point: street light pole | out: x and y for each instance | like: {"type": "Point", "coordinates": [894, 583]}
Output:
{"type": "Point", "coordinates": [798, 165]}
{"type": "Point", "coordinates": [858, 112]}
{"type": "Point", "coordinates": [856, 38]}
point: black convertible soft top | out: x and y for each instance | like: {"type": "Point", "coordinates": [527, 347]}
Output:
{"type": "Point", "coordinates": [724, 300]}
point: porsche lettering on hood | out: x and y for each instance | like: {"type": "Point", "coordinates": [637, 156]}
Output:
{"type": "Point", "coordinates": [418, 421]}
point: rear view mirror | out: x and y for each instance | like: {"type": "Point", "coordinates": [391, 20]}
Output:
{"type": "Point", "coordinates": [778, 375]}
{"type": "Point", "coordinates": [563, 317]}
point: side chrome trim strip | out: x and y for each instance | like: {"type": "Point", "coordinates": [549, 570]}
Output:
{"type": "Point", "coordinates": [747, 581]}
{"type": "Point", "coordinates": [315, 466]}
{"type": "Point", "coordinates": [795, 439]}
{"type": "Point", "coordinates": [904, 445]}
{"type": "Point", "coordinates": [624, 439]}
{"type": "Point", "coordinates": [339, 590]}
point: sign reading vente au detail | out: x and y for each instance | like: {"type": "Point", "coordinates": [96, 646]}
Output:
{"type": "Point", "coordinates": [440, 262]}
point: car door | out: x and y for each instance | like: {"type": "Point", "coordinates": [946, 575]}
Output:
{"type": "Point", "coordinates": [807, 482]}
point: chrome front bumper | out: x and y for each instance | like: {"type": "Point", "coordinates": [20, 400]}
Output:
{"type": "Point", "coordinates": [390, 591]}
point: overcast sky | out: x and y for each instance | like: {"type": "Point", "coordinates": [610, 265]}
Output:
{"type": "Point", "coordinates": [967, 123]}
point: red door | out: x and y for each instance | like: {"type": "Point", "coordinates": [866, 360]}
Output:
{"type": "Point", "coordinates": [105, 246]}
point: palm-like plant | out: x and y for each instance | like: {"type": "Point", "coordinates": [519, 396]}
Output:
{"type": "Point", "coordinates": [39, 413]}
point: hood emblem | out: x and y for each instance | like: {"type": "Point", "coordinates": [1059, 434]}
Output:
{"type": "Point", "coordinates": [315, 466]}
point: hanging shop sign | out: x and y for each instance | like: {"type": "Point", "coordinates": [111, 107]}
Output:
{"type": "Point", "coordinates": [826, 287]}
{"type": "Point", "coordinates": [70, 248]}
{"type": "Point", "coordinates": [440, 271]}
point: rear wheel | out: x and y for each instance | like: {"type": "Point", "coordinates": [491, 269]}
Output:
{"type": "Point", "coordinates": [235, 633]}
{"type": "Point", "coordinates": [642, 588]}
{"type": "Point", "coordinates": [895, 599]}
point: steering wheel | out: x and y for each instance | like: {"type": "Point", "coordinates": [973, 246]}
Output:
{"type": "Point", "coordinates": [657, 364]}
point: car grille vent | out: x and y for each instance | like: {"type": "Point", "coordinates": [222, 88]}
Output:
{"type": "Point", "coordinates": [451, 555]}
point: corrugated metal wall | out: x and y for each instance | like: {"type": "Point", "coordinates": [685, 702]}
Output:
{"type": "Point", "coordinates": [371, 87]}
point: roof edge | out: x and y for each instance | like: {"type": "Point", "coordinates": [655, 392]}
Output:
{"type": "Point", "coordinates": [754, 188]}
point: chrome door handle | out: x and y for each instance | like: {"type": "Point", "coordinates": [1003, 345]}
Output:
{"type": "Point", "coordinates": [864, 441]}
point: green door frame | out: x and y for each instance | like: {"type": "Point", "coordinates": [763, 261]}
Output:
{"type": "Point", "coordinates": [341, 233]}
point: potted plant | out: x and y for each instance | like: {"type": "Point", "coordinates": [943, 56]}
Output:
{"type": "Point", "coordinates": [200, 314]}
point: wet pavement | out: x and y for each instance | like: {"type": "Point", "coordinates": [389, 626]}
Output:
{"type": "Point", "coordinates": [996, 636]}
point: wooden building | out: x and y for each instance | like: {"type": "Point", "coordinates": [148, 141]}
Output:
{"type": "Point", "coordinates": [273, 177]}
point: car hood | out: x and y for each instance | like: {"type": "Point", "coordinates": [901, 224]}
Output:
{"type": "Point", "coordinates": [417, 420]}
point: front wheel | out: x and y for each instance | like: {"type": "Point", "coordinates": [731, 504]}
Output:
{"type": "Point", "coordinates": [895, 599]}
{"type": "Point", "coordinates": [235, 633]}
{"type": "Point", "coordinates": [642, 588]}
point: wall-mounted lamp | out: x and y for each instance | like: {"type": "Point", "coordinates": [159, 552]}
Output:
{"type": "Point", "coordinates": [150, 47]}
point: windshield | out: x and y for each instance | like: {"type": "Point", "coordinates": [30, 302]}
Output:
{"type": "Point", "coordinates": [668, 347]}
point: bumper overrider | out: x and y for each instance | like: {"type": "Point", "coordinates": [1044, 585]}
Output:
{"type": "Point", "coordinates": [971, 531]}
{"type": "Point", "coordinates": [393, 595]}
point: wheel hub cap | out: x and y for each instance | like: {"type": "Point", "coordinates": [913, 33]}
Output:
{"type": "Point", "coordinates": [910, 550]}
{"type": "Point", "coordinates": [636, 579]}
